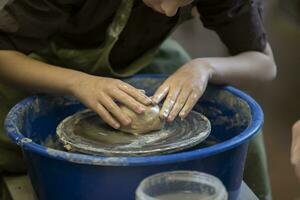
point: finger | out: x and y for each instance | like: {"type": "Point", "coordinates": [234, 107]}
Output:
{"type": "Point", "coordinates": [135, 93]}
{"type": "Point", "coordinates": [130, 102]}
{"type": "Point", "coordinates": [190, 103]}
{"type": "Point", "coordinates": [180, 102]}
{"type": "Point", "coordinates": [169, 102]}
{"type": "Point", "coordinates": [114, 109]}
{"type": "Point", "coordinates": [106, 116]}
{"type": "Point", "coordinates": [160, 94]}
{"type": "Point", "coordinates": [142, 91]}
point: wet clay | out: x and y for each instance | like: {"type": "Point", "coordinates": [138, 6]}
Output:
{"type": "Point", "coordinates": [86, 132]}
{"type": "Point", "coordinates": [142, 123]}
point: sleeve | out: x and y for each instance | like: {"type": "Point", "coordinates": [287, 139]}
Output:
{"type": "Point", "coordinates": [239, 23]}
{"type": "Point", "coordinates": [27, 25]}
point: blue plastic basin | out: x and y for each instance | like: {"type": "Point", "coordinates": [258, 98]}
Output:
{"type": "Point", "coordinates": [59, 175]}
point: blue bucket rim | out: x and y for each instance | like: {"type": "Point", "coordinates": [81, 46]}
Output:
{"type": "Point", "coordinates": [16, 136]}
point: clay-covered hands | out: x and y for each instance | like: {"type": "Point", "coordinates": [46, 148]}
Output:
{"type": "Point", "coordinates": [101, 94]}
{"type": "Point", "coordinates": [295, 150]}
{"type": "Point", "coordinates": [183, 89]}
{"type": "Point", "coordinates": [167, 7]}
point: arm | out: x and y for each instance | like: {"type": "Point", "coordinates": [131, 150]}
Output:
{"type": "Point", "coordinates": [20, 70]}
{"type": "Point", "coordinates": [26, 31]}
{"type": "Point", "coordinates": [183, 89]}
{"type": "Point", "coordinates": [239, 25]}
{"type": "Point", "coordinates": [243, 69]}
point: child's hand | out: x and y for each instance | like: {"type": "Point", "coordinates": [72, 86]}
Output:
{"type": "Point", "coordinates": [100, 94]}
{"type": "Point", "coordinates": [183, 89]}
{"type": "Point", "coordinates": [295, 149]}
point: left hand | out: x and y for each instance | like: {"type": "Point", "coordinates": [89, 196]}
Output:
{"type": "Point", "coordinates": [183, 89]}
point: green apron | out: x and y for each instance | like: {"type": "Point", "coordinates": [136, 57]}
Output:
{"type": "Point", "coordinates": [164, 59]}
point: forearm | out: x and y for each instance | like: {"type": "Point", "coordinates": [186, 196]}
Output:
{"type": "Point", "coordinates": [23, 71]}
{"type": "Point", "coordinates": [243, 69]}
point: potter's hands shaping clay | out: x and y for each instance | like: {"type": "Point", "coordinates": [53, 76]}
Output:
{"type": "Point", "coordinates": [295, 149]}
{"type": "Point", "coordinates": [100, 94]}
{"type": "Point", "coordinates": [182, 90]}
{"type": "Point", "coordinates": [148, 121]}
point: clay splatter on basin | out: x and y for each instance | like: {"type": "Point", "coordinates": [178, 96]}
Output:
{"type": "Point", "coordinates": [235, 118]}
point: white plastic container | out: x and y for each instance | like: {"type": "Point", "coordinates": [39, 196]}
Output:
{"type": "Point", "coordinates": [181, 185]}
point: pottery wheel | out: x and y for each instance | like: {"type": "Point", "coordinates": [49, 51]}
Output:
{"type": "Point", "coordinates": [85, 132]}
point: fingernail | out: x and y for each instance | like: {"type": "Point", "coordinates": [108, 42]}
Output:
{"type": "Point", "coordinates": [116, 126]}
{"type": "Point", "coordinates": [142, 91]}
{"type": "Point", "coordinates": [170, 119]}
{"type": "Point", "coordinates": [165, 113]}
{"type": "Point", "coordinates": [140, 109]}
{"type": "Point", "coordinates": [156, 99]}
{"type": "Point", "coordinates": [127, 122]}
{"type": "Point", "coordinates": [182, 116]}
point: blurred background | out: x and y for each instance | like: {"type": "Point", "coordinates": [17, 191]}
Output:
{"type": "Point", "coordinates": [279, 99]}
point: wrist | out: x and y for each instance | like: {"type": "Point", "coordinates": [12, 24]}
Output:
{"type": "Point", "coordinates": [205, 67]}
{"type": "Point", "coordinates": [75, 81]}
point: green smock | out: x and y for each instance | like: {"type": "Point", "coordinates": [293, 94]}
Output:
{"type": "Point", "coordinates": [163, 59]}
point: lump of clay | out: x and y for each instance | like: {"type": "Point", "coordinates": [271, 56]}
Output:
{"type": "Point", "coordinates": [142, 123]}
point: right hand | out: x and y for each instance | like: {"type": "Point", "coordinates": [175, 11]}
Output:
{"type": "Point", "coordinates": [100, 94]}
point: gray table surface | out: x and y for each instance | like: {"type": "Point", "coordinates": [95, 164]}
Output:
{"type": "Point", "coordinates": [246, 193]}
